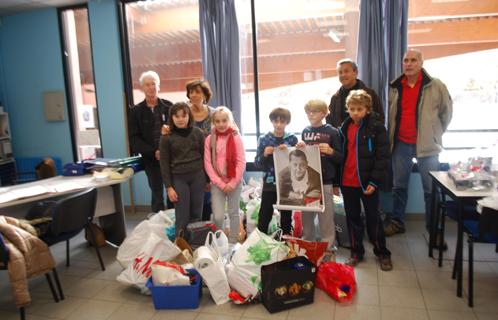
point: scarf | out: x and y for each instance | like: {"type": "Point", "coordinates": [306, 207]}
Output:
{"type": "Point", "coordinates": [231, 152]}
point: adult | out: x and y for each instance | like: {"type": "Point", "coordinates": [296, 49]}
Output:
{"type": "Point", "coordinates": [199, 93]}
{"type": "Point", "coordinates": [298, 180]}
{"type": "Point", "coordinates": [420, 110]}
{"type": "Point", "coordinates": [145, 122]}
{"type": "Point", "coordinates": [348, 76]}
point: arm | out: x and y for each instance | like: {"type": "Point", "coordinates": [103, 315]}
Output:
{"type": "Point", "coordinates": [337, 157]}
{"type": "Point", "coordinates": [137, 144]}
{"type": "Point", "coordinates": [208, 165]}
{"type": "Point", "coordinates": [201, 139]}
{"type": "Point", "coordinates": [261, 161]}
{"type": "Point", "coordinates": [445, 108]}
{"type": "Point", "coordinates": [165, 161]}
{"type": "Point", "coordinates": [241, 162]}
{"type": "Point", "coordinates": [377, 106]}
{"type": "Point", "coordinates": [382, 157]}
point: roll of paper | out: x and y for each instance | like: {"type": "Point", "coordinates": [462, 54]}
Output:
{"type": "Point", "coordinates": [203, 258]}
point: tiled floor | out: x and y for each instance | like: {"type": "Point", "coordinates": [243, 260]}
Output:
{"type": "Point", "coordinates": [415, 289]}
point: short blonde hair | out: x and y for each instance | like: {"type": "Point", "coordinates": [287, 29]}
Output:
{"type": "Point", "coordinates": [360, 97]}
{"type": "Point", "coordinates": [228, 113]}
{"type": "Point", "coordinates": [316, 106]}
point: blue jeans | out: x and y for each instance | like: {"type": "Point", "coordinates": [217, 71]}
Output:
{"type": "Point", "coordinates": [402, 163]}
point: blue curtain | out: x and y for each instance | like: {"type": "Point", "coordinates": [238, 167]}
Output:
{"type": "Point", "coordinates": [219, 35]}
{"type": "Point", "coordinates": [382, 41]}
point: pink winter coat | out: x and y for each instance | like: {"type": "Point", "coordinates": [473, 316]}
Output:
{"type": "Point", "coordinates": [221, 142]}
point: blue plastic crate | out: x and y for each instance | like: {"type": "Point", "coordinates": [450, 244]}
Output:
{"type": "Point", "coordinates": [177, 297]}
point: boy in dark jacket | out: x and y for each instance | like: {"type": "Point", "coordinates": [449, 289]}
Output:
{"type": "Point", "coordinates": [366, 158]}
{"type": "Point", "coordinates": [279, 118]}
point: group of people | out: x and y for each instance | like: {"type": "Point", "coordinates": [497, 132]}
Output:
{"type": "Point", "coordinates": [192, 149]}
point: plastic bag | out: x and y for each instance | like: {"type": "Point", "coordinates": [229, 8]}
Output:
{"type": "Point", "coordinates": [169, 274]}
{"type": "Point", "coordinates": [154, 249]}
{"type": "Point", "coordinates": [252, 214]}
{"type": "Point", "coordinates": [209, 263]}
{"type": "Point", "coordinates": [314, 251]}
{"type": "Point", "coordinates": [134, 243]}
{"type": "Point", "coordinates": [337, 280]}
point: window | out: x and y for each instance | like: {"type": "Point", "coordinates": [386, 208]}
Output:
{"type": "Point", "coordinates": [163, 36]}
{"type": "Point", "coordinates": [298, 45]}
{"type": "Point", "coordinates": [459, 40]}
{"type": "Point", "coordinates": [80, 83]}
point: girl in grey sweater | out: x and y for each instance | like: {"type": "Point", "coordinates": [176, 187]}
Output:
{"type": "Point", "coordinates": [182, 165]}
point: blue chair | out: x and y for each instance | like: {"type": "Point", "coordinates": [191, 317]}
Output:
{"type": "Point", "coordinates": [4, 261]}
{"type": "Point", "coordinates": [483, 230]}
{"type": "Point", "coordinates": [70, 216]}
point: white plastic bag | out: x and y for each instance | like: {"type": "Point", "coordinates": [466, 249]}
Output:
{"type": "Point", "coordinates": [154, 249]}
{"type": "Point", "coordinates": [209, 263]}
{"type": "Point", "coordinates": [221, 242]}
{"type": "Point", "coordinates": [167, 274]}
{"type": "Point", "coordinates": [258, 250]}
{"type": "Point", "coordinates": [134, 243]}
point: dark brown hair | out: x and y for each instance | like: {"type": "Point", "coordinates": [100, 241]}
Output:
{"type": "Point", "coordinates": [280, 113]}
{"type": "Point", "coordinates": [180, 107]}
{"type": "Point", "coordinates": [203, 85]}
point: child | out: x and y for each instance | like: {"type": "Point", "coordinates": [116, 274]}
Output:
{"type": "Point", "coordinates": [224, 162]}
{"type": "Point", "coordinates": [182, 165]}
{"type": "Point", "coordinates": [279, 118]}
{"type": "Point", "coordinates": [328, 140]}
{"type": "Point", "coordinates": [366, 158]}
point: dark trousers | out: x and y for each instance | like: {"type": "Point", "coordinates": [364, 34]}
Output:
{"type": "Point", "coordinates": [352, 197]}
{"type": "Point", "coordinates": [153, 172]}
{"type": "Point", "coordinates": [268, 199]}
{"type": "Point", "coordinates": [190, 190]}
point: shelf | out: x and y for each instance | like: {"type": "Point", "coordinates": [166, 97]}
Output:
{"type": "Point", "coordinates": [2, 162]}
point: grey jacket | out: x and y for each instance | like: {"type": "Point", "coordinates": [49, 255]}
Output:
{"type": "Point", "coordinates": [434, 111]}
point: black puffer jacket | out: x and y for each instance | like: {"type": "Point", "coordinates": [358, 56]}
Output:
{"type": "Point", "coordinates": [372, 150]}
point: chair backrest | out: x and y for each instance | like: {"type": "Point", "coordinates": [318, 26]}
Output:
{"type": "Point", "coordinates": [73, 213]}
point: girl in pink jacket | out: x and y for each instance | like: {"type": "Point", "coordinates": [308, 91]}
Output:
{"type": "Point", "coordinates": [224, 162]}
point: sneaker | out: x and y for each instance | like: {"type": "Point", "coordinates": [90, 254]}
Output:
{"type": "Point", "coordinates": [385, 263]}
{"type": "Point", "coordinates": [354, 261]}
{"type": "Point", "coordinates": [393, 228]}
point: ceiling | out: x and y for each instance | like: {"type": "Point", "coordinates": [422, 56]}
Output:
{"type": "Point", "coordinates": [9, 7]}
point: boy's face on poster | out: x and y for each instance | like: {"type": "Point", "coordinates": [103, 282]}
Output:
{"type": "Point", "coordinates": [298, 167]}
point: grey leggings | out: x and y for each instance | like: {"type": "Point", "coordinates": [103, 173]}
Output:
{"type": "Point", "coordinates": [190, 190]}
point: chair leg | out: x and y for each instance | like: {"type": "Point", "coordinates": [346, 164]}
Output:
{"type": "Point", "coordinates": [471, 273]}
{"type": "Point", "coordinates": [22, 313]}
{"type": "Point", "coordinates": [51, 285]}
{"type": "Point", "coordinates": [441, 244]}
{"type": "Point", "coordinates": [92, 234]}
{"type": "Point", "coordinates": [453, 274]}
{"type": "Point", "coordinates": [496, 248]}
{"type": "Point", "coordinates": [67, 253]}
{"type": "Point", "coordinates": [58, 284]}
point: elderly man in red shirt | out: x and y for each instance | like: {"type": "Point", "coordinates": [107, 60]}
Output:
{"type": "Point", "coordinates": [420, 110]}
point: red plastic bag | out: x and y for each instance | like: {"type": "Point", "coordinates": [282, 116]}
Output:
{"type": "Point", "coordinates": [337, 280]}
{"type": "Point", "coordinates": [297, 230]}
{"type": "Point", "coordinates": [314, 251]}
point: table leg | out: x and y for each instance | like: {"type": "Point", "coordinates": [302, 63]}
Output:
{"type": "Point", "coordinates": [433, 223]}
{"type": "Point", "coordinates": [114, 225]}
{"type": "Point", "coordinates": [459, 259]}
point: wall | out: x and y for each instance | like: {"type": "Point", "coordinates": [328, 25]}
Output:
{"type": "Point", "coordinates": [31, 64]}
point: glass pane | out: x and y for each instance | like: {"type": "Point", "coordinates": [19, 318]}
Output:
{"type": "Point", "coordinates": [78, 52]}
{"type": "Point", "coordinates": [459, 40]}
{"type": "Point", "coordinates": [299, 43]}
{"type": "Point", "coordinates": [164, 37]}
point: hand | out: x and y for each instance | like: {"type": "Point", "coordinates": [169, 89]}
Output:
{"type": "Point", "coordinates": [207, 187]}
{"type": "Point", "coordinates": [301, 144]}
{"type": "Point", "coordinates": [228, 188]}
{"type": "Point", "coordinates": [325, 149]}
{"type": "Point", "coordinates": [336, 191]}
{"type": "Point", "coordinates": [268, 151]}
{"type": "Point", "coordinates": [165, 130]}
{"type": "Point", "coordinates": [282, 147]}
{"type": "Point", "coordinates": [370, 189]}
{"type": "Point", "coordinates": [157, 154]}
{"type": "Point", "coordinates": [173, 197]}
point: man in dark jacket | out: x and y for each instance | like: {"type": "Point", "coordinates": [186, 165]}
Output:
{"type": "Point", "coordinates": [145, 121]}
{"type": "Point", "coordinates": [348, 73]}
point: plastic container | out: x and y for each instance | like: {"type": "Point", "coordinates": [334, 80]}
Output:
{"type": "Point", "coordinates": [177, 297]}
